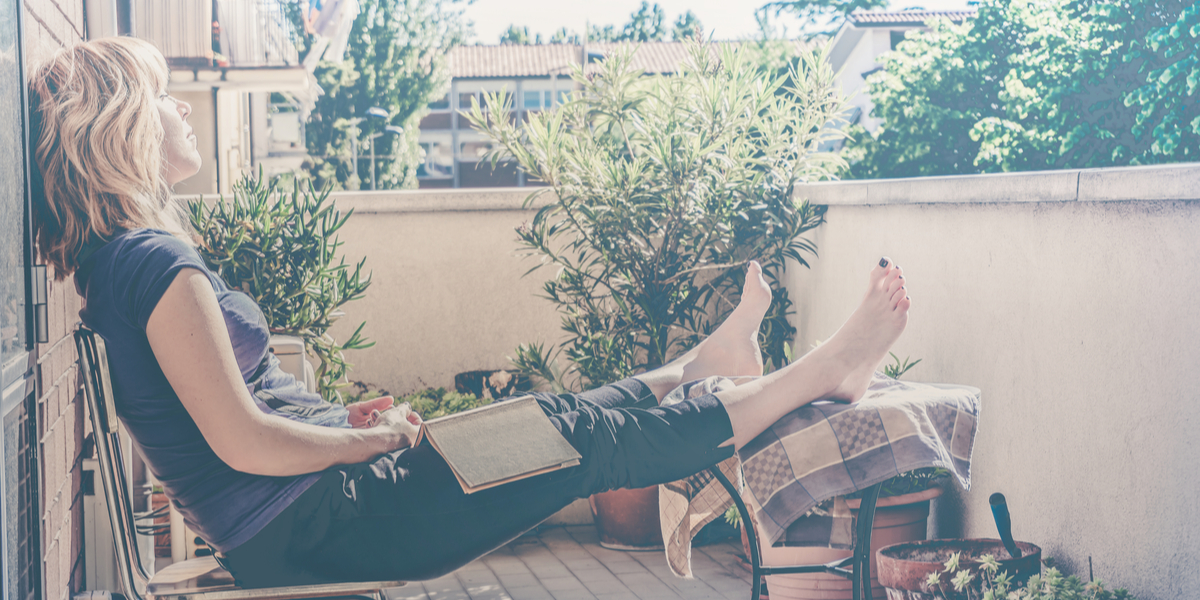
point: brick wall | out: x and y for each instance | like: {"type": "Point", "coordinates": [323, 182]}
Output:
{"type": "Point", "coordinates": [50, 25]}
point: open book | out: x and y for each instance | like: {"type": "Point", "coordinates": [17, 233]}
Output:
{"type": "Point", "coordinates": [498, 443]}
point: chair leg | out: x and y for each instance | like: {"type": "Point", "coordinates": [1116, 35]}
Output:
{"type": "Point", "coordinates": [751, 537]}
{"type": "Point", "coordinates": [862, 549]}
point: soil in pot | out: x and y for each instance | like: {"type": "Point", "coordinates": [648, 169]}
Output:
{"type": "Point", "coordinates": [904, 568]}
{"type": "Point", "coordinates": [628, 519]}
{"type": "Point", "coordinates": [897, 519]}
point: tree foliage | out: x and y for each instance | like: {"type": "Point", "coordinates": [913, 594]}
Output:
{"type": "Point", "coordinates": [819, 14]}
{"type": "Point", "coordinates": [396, 60]}
{"type": "Point", "coordinates": [646, 24]}
{"type": "Point", "coordinates": [519, 36]}
{"type": "Point", "coordinates": [666, 187]}
{"type": "Point", "coordinates": [1037, 84]}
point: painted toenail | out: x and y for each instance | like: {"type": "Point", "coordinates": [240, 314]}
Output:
{"type": "Point", "coordinates": [883, 262]}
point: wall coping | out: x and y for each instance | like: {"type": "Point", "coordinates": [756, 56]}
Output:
{"type": "Point", "coordinates": [1117, 184]}
{"type": "Point", "coordinates": [440, 200]}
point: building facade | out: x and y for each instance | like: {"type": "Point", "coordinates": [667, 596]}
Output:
{"type": "Point", "coordinates": [537, 77]}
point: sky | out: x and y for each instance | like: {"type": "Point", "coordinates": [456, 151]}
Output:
{"type": "Point", "coordinates": [725, 19]}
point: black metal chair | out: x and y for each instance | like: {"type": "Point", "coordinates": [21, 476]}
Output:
{"type": "Point", "coordinates": [856, 567]}
{"type": "Point", "coordinates": [193, 579]}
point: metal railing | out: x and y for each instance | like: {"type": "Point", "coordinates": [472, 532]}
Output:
{"type": "Point", "coordinates": [218, 33]}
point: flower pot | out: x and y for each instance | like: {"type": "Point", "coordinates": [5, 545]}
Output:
{"type": "Point", "coordinates": [628, 519]}
{"type": "Point", "coordinates": [897, 519]}
{"type": "Point", "coordinates": [904, 568]}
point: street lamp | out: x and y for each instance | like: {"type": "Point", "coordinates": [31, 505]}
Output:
{"type": "Point", "coordinates": [392, 129]}
{"type": "Point", "coordinates": [374, 112]}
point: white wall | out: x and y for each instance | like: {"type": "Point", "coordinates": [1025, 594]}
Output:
{"type": "Point", "coordinates": [1071, 300]}
{"type": "Point", "coordinates": [448, 294]}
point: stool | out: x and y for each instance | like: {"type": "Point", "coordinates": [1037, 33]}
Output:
{"type": "Point", "coordinates": [859, 569]}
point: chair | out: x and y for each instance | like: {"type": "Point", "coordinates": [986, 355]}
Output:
{"type": "Point", "coordinates": [859, 571]}
{"type": "Point", "coordinates": [194, 579]}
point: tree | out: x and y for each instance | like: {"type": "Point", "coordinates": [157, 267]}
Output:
{"type": "Point", "coordinates": [819, 14]}
{"type": "Point", "coordinates": [1030, 85]}
{"type": "Point", "coordinates": [1169, 107]}
{"type": "Point", "coordinates": [519, 36]}
{"type": "Point", "coordinates": [396, 60]}
{"type": "Point", "coordinates": [646, 24]}
{"type": "Point", "coordinates": [562, 36]}
{"type": "Point", "coordinates": [687, 26]}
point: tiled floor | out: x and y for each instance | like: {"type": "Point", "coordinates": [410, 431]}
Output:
{"type": "Point", "coordinates": [566, 563]}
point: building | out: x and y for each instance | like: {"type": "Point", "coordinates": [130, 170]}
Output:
{"type": "Point", "coordinates": [863, 38]}
{"type": "Point", "coordinates": [537, 76]}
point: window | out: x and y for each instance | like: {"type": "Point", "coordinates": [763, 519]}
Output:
{"type": "Point", "coordinates": [897, 37]}
{"type": "Point", "coordinates": [442, 103]}
{"type": "Point", "coordinates": [563, 96]}
{"type": "Point", "coordinates": [474, 151]}
{"type": "Point", "coordinates": [464, 100]}
{"type": "Point", "coordinates": [533, 100]}
{"type": "Point", "coordinates": [436, 161]}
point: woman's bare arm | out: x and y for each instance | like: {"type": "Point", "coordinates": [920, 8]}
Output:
{"type": "Point", "coordinates": [187, 333]}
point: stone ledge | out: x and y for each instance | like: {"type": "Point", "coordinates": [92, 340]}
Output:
{"type": "Point", "coordinates": [449, 200]}
{"type": "Point", "coordinates": [1119, 184]}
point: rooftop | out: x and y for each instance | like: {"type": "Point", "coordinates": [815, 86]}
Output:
{"type": "Point", "coordinates": [905, 17]}
{"type": "Point", "coordinates": [544, 60]}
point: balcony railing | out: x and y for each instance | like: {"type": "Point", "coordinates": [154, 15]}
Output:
{"type": "Point", "coordinates": [218, 33]}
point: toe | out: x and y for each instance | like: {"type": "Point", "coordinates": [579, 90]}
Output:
{"type": "Point", "coordinates": [904, 304]}
{"type": "Point", "coordinates": [897, 295]}
{"type": "Point", "coordinates": [895, 284]}
{"type": "Point", "coordinates": [881, 270]}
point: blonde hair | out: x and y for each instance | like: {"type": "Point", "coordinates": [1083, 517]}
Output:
{"type": "Point", "coordinates": [99, 146]}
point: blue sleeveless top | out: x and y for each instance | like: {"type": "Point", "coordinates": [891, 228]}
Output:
{"type": "Point", "coordinates": [121, 282]}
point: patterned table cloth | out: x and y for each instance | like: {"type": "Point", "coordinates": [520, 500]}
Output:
{"type": "Point", "coordinates": [821, 451]}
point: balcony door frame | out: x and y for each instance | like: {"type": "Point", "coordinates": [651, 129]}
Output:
{"type": "Point", "coordinates": [21, 562]}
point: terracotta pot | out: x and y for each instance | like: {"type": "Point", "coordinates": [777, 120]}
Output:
{"type": "Point", "coordinates": [628, 519]}
{"type": "Point", "coordinates": [904, 568]}
{"type": "Point", "coordinates": [897, 519]}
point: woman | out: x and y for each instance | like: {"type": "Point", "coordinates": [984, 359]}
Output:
{"type": "Point", "coordinates": [295, 500]}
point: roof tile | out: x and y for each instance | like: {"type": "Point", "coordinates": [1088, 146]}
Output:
{"type": "Point", "coordinates": [907, 16]}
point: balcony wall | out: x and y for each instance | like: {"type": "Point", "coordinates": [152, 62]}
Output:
{"type": "Point", "coordinates": [1070, 299]}
{"type": "Point", "coordinates": [448, 294]}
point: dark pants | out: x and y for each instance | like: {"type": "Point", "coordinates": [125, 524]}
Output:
{"type": "Point", "coordinates": [405, 517]}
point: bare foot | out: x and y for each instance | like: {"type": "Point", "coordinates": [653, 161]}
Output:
{"type": "Point", "coordinates": [732, 350]}
{"type": "Point", "coordinates": [865, 338]}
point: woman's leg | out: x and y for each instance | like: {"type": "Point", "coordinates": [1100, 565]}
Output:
{"type": "Point", "coordinates": [731, 351]}
{"type": "Point", "coordinates": [841, 368]}
{"type": "Point", "coordinates": [405, 516]}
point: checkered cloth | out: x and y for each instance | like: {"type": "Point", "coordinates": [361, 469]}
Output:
{"type": "Point", "coordinates": [820, 451]}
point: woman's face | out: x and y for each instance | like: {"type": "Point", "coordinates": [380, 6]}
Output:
{"type": "Point", "coordinates": [179, 139]}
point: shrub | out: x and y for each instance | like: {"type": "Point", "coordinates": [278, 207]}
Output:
{"type": "Point", "coordinates": [666, 187]}
{"type": "Point", "coordinates": [282, 250]}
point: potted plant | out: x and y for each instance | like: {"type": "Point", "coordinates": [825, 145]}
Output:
{"type": "Point", "coordinates": [281, 248]}
{"type": "Point", "coordinates": [969, 570]}
{"type": "Point", "coordinates": [665, 187]}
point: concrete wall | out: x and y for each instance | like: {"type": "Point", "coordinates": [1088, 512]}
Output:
{"type": "Point", "coordinates": [448, 294]}
{"type": "Point", "coordinates": [1070, 299]}
{"type": "Point", "coordinates": [49, 26]}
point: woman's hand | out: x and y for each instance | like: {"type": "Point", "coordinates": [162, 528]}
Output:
{"type": "Point", "coordinates": [399, 420]}
{"type": "Point", "coordinates": [360, 412]}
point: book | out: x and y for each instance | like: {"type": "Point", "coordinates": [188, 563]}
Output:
{"type": "Point", "coordinates": [498, 443]}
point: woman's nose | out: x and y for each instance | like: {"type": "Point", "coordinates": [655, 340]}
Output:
{"type": "Point", "coordinates": [185, 109]}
